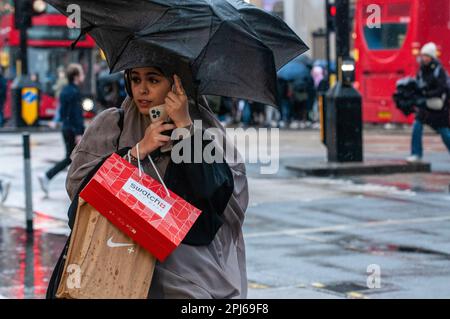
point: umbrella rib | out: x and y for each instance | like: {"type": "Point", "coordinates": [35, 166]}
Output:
{"type": "Point", "coordinates": [121, 51]}
{"type": "Point", "coordinates": [83, 31]}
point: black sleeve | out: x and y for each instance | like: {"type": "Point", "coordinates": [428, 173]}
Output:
{"type": "Point", "coordinates": [3, 88]}
{"type": "Point", "coordinates": [439, 85]}
{"type": "Point", "coordinates": [77, 114]}
{"type": "Point", "coordinates": [207, 186]}
{"type": "Point", "coordinates": [62, 105]}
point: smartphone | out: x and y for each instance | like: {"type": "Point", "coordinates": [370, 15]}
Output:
{"type": "Point", "coordinates": [158, 113]}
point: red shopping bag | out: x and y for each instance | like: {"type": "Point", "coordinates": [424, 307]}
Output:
{"type": "Point", "coordinates": [141, 207]}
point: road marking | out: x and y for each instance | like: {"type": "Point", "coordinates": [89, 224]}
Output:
{"type": "Point", "coordinates": [255, 285]}
{"type": "Point", "coordinates": [356, 295]}
{"type": "Point", "coordinates": [389, 222]}
{"type": "Point", "coordinates": [318, 285]}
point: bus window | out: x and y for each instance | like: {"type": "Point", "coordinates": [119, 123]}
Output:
{"type": "Point", "coordinates": [390, 36]}
{"type": "Point", "coordinates": [47, 61]}
{"type": "Point", "coordinates": [51, 9]}
{"type": "Point", "coordinates": [44, 32]}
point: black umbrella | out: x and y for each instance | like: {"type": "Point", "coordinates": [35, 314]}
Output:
{"type": "Point", "coordinates": [217, 47]}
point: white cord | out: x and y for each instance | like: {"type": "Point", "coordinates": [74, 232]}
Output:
{"type": "Point", "coordinates": [154, 167]}
{"type": "Point", "coordinates": [159, 176]}
{"type": "Point", "coordinates": [129, 155]}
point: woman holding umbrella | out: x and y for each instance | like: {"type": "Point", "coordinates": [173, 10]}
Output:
{"type": "Point", "coordinates": [210, 262]}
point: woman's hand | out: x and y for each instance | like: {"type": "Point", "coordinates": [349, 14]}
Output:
{"type": "Point", "coordinates": [153, 139]}
{"type": "Point", "coordinates": [177, 105]}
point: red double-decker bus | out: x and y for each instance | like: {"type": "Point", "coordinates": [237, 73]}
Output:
{"type": "Point", "coordinates": [49, 42]}
{"type": "Point", "coordinates": [389, 52]}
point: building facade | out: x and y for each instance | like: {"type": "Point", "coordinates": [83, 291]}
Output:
{"type": "Point", "coordinates": [305, 17]}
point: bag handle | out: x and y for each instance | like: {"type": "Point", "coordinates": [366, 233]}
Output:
{"type": "Point", "coordinates": [154, 167]}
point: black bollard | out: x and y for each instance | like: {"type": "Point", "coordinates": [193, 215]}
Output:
{"type": "Point", "coordinates": [27, 181]}
{"type": "Point", "coordinates": [344, 124]}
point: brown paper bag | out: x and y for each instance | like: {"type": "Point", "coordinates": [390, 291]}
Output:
{"type": "Point", "coordinates": [102, 262]}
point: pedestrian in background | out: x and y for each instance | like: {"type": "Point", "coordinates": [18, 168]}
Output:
{"type": "Point", "coordinates": [318, 74]}
{"type": "Point", "coordinates": [303, 94]}
{"type": "Point", "coordinates": [284, 100]}
{"type": "Point", "coordinates": [4, 186]}
{"type": "Point", "coordinates": [432, 81]}
{"type": "Point", "coordinates": [60, 83]}
{"type": "Point", "coordinates": [72, 121]}
{"type": "Point", "coordinates": [3, 88]}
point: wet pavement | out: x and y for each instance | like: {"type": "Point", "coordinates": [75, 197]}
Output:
{"type": "Point", "coordinates": [27, 261]}
{"type": "Point", "coordinates": [336, 229]}
{"type": "Point", "coordinates": [305, 237]}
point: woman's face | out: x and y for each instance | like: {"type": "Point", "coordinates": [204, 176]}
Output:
{"type": "Point", "coordinates": [149, 88]}
{"type": "Point", "coordinates": [425, 59]}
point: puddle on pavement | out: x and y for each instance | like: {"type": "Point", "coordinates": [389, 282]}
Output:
{"type": "Point", "coordinates": [26, 262]}
{"type": "Point", "coordinates": [353, 289]}
{"type": "Point", "coordinates": [358, 244]}
{"type": "Point", "coordinates": [344, 287]}
{"type": "Point", "coordinates": [437, 182]}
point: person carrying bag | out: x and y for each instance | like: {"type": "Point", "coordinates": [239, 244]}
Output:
{"type": "Point", "coordinates": [210, 261]}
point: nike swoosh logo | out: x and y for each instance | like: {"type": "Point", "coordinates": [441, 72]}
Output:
{"type": "Point", "coordinates": [112, 244]}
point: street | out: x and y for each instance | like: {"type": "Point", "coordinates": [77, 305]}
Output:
{"type": "Point", "coordinates": [306, 237]}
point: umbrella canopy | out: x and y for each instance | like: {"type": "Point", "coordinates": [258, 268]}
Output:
{"type": "Point", "coordinates": [293, 71]}
{"type": "Point", "coordinates": [217, 47]}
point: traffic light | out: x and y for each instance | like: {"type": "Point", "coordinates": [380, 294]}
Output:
{"type": "Point", "coordinates": [21, 16]}
{"type": "Point", "coordinates": [39, 7]}
{"type": "Point", "coordinates": [331, 16]}
{"type": "Point", "coordinates": [25, 9]}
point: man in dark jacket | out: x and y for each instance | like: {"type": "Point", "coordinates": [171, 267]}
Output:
{"type": "Point", "coordinates": [432, 79]}
{"type": "Point", "coordinates": [3, 88]}
{"type": "Point", "coordinates": [71, 113]}
{"type": "Point", "coordinates": [4, 186]}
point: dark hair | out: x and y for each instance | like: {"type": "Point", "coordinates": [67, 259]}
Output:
{"type": "Point", "coordinates": [158, 68]}
{"type": "Point", "coordinates": [72, 71]}
{"type": "Point", "coordinates": [127, 79]}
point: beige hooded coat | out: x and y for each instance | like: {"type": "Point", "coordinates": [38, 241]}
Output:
{"type": "Point", "coordinates": [214, 271]}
